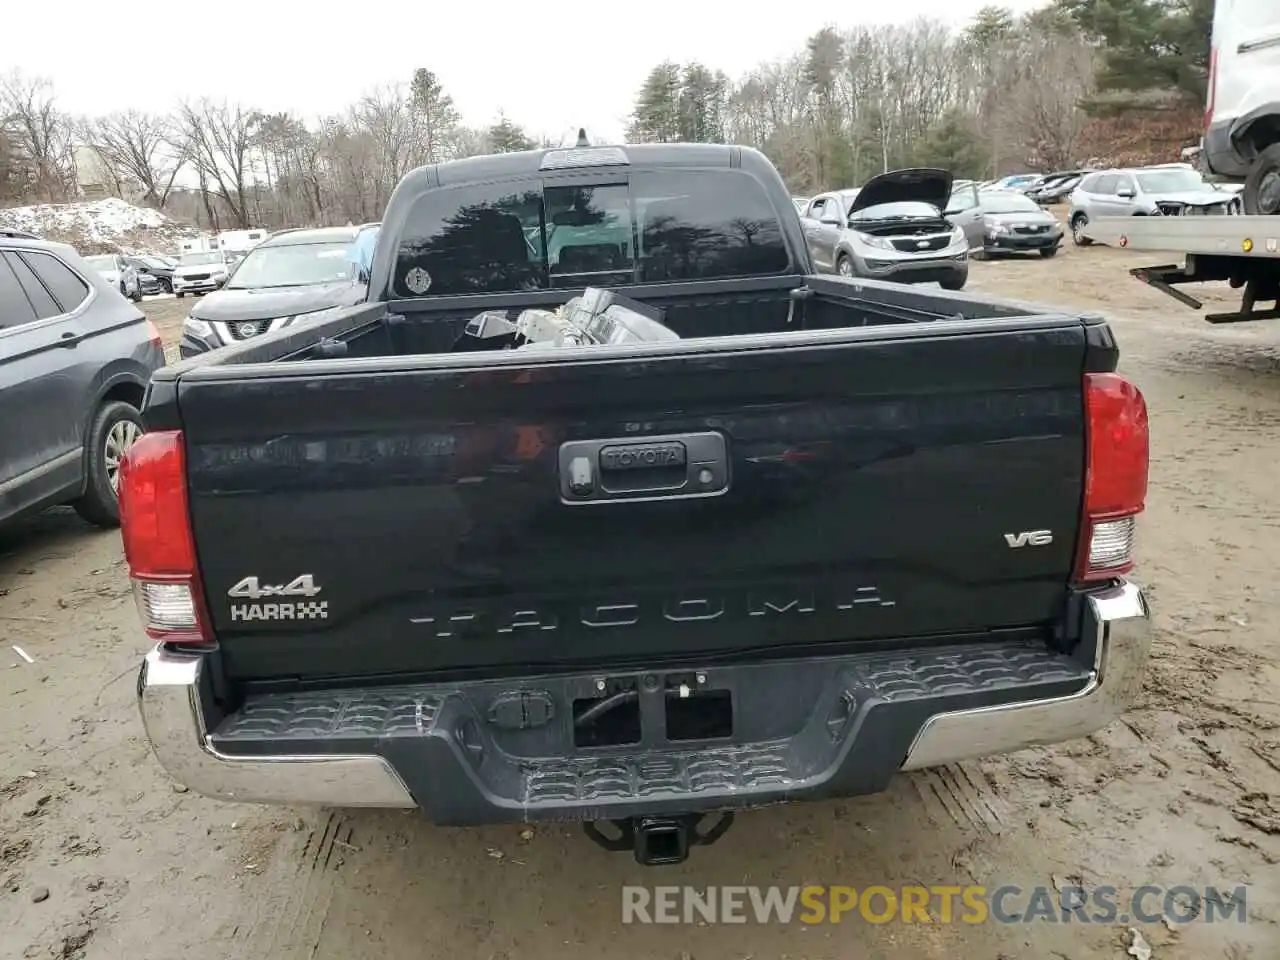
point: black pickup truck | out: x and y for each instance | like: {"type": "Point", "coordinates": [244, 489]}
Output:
{"type": "Point", "coordinates": [823, 531]}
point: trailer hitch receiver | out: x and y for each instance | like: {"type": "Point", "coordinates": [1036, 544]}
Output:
{"type": "Point", "coordinates": [656, 841]}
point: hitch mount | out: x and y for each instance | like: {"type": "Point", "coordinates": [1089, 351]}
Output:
{"type": "Point", "coordinates": [657, 841]}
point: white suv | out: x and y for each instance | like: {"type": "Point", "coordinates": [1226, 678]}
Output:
{"type": "Point", "coordinates": [200, 272]}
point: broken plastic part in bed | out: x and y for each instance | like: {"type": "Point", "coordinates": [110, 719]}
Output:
{"type": "Point", "coordinates": [595, 318]}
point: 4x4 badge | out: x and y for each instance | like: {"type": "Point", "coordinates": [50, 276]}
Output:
{"type": "Point", "coordinates": [252, 588]}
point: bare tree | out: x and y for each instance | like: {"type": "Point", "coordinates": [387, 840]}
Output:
{"type": "Point", "coordinates": [139, 146]}
{"type": "Point", "coordinates": [39, 135]}
{"type": "Point", "coordinates": [1055, 76]}
{"type": "Point", "coordinates": [218, 140]}
{"type": "Point", "coordinates": [1002, 94]}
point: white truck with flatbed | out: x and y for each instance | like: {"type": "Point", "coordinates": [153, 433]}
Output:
{"type": "Point", "coordinates": [1241, 144]}
{"type": "Point", "coordinates": [1243, 251]}
{"type": "Point", "coordinates": [1242, 107]}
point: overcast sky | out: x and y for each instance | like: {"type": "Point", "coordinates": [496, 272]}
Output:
{"type": "Point", "coordinates": [550, 65]}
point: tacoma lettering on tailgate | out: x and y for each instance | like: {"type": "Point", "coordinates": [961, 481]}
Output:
{"type": "Point", "coordinates": [755, 603]}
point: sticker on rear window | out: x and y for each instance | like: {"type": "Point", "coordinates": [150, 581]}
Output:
{"type": "Point", "coordinates": [417, 281]}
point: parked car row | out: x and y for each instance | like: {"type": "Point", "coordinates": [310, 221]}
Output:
{"type": "Point", "coordinates": [920, 226]}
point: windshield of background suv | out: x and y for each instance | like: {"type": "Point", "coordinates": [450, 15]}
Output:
{"type": "Point", "coordinates": [1171, 181]}
{"type": "Point", "coordinates": [1012, 203]}
{"type": "Point", "coordinates": [199, 259]}
{"type": "Point", "coordinates": [294, 265]}
{"type": "Point", "coordinates": [101, 263]}
{"type": "Point", "coordinates": [902, 210]}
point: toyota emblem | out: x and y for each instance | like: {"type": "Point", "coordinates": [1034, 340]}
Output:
{"type": "Point", "coordinates": [921, 244]}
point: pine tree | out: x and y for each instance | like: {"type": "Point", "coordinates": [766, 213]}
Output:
{"type": "Point", "coordinates": [507, 137]}
{"type": "Point", "coordinates": [954, 145]}
{"type": "Point", "coordinates": [1148, 45]}
{"type": "Point", "coordinates": [656, 116]}
{"type": "Point", "coordinates": [440, 118]}
{"type": "Point", "coordinates": [701, 105]}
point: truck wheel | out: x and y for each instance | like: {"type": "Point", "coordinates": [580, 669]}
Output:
{"type": "Point", "coordinates": [1048, 252]}
{"type": "Point", "coordinates": [115, 427]}
{"type": "Point", "coordinates": [1077, 230]}
{"type": "Point", "coordinates": [844, 266]}
{"type": "Point", "coordinates": [1261, 193]}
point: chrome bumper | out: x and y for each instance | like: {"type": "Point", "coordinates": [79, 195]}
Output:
{"type": "Point", "coordinates": [174, 696]}
{"type": "Point", "coordinates": [176, 702]}
{"type": "Point", "coordinates": [1119, 623]}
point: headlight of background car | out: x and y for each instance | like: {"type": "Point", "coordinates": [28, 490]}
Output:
{"type": "Point", "coordinates": [996, 228]}
{"type": "Point", "coordinates": [197, 327]}
{"type": "Point", "coordinates": [881, 242]}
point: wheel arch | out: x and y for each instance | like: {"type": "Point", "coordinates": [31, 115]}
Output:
{"type": "Point", "coordinates": [122, 385]}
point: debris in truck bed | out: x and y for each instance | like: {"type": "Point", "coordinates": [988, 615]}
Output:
{"type": "Point", "coordinates": [597, 317]}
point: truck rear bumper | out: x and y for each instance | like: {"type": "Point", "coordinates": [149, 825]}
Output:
{"type": "Point", "coordinates": [858, 719]}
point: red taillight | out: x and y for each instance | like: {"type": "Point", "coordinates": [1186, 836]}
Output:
{"type": "Point", "coordinates": [158, 545]}
{"type": "Point", "coordinates": [1115, 486]}
{"type": "Point", "coordinates": [153, 335]}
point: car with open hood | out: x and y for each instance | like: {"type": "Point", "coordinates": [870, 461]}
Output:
{"type": "Point", "coordinates": [293, 276]}
{"type": "Point", "coordinates": [893, 228]}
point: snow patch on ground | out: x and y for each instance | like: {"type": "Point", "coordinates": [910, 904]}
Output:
{"type": "Point", "coordinates": [111, 221]}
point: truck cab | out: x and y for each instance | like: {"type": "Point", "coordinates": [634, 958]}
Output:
{"type": "Point", "coordinates": [1242, 113]}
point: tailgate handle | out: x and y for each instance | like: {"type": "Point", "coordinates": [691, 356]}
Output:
{"type": "Point", "coordinates": [653, 468]}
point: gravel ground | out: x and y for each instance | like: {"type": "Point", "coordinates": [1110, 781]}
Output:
{"type": "Point", "coordinates": [101, 857]}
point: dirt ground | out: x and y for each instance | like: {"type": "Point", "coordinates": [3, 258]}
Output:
{"type": "Point", "coordinates": [101, 857]}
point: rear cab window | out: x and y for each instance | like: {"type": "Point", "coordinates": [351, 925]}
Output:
{"type": "Point", "coordinates": [535, 234]}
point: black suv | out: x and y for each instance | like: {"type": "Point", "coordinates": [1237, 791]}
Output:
{"type": "Point", "coordinates": [75, 359]}
{"type": "Point", "coordinates": [295, 275]}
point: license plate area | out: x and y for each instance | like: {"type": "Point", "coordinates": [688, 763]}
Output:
{"type": "Point", "coordinates": [676, 707]}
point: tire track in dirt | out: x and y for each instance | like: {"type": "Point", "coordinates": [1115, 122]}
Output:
{"type": "Point", "coordinates": [291, 872]}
